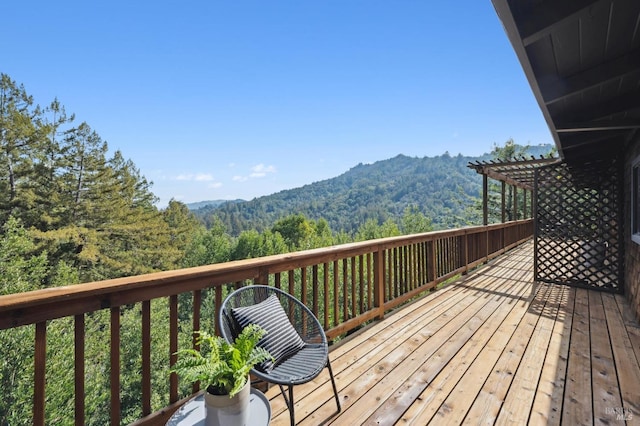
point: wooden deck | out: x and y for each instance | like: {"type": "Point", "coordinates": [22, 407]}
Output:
{"type": "Point", "coordinates": [492, 348]}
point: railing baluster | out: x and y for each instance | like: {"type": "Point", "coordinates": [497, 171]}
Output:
{"type": "Point", "coordinates": [173, 345]}
{"type": "Point", "coordinates": [146, 357]}
{"type": "Point", "coordinates": [277, 280]}
{"type": "Point", "coordinates": [315, 290]}
{"type": "Point", "coordinates": [218, 304]}
{"type": "Point", "coordinates": [336, 293]}
{"type": "Point", "coordinates": [354, 290]}
{"type": "Point", "coordinates": [362, 282]}
{"type": "Point", "coordinates": [325, 284]}
{"type": "Point", "coordinates": [395, 253]}
{"type": "Point", "coordinates": [303, 286]}
{"type": "Point", "coordinates": [434, 265]}
{"type": "Point", "coordinates": [413, 268]}
{"type": "Point", "coordinates": [345, 291]}
{"type": "Point", "coordinates": [115, 366]}
{"type": "Point", "coordinates": [292, 282]}
{"type": "Point", "coordinates": [378, 286]}
{"type": "Point", "coordinates": [197, 304]}
{"type": "Point", "coordinates": [40, 362]}
{"type": "Point", "coordinates": [78, 361]}
{"type": "Point", "coordinates": [369, 278]}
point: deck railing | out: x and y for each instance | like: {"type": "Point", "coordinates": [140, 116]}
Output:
{"type": "Point", "coordinates": [345, 286]}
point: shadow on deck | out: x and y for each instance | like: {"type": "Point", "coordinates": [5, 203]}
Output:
{"type": "Point", "coordinates": [494, 347]}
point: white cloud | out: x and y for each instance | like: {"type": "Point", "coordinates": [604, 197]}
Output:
{"type": "Point", "coordinates": [257, 171]}
{"type": "Point", "coordinates": [200, 177]}
{"type": "Point", "coordinates": [215, 185]}
{"type": "Point", "coordinates": [261, 168]}
{"type": "Point", "coordinates": [203, 177]}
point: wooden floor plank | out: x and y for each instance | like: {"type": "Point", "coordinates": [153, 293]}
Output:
{"type": "Point", "coordinates": [450, 337]}
{"type": "Point", "coordinates": [493, 347]}
{"type": "Point", "coordinates": [606, 393]}
{"type": "Point", "coordinates": [487, 405]}
{"type": "Point", "coordinates": [458, 380]}
{"type": "Point", "coordinates": [550, 392]}
{"type": "Point", "coordinates": [627, 365]}
{"type": "Point", "coordinates": [577, 397]}
{"type": "Point", "coordinates": [376, 358]}
{"type": "Point", "coordinates": [519, 400]}
{"type": "Point", "coordinates": [366, 348]}
{"type": "Point", "coordinates": [449, 362]}
{"type": "Point", "coordinates": [630, 322]}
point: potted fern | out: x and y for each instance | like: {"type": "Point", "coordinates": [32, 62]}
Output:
{"type": "Point", "coordinates": [223, 369]}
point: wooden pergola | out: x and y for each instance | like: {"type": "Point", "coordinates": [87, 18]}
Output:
{"type": "Point", "coordinates": [576, 213]}
{"type": "Point", "coordinates": [519, 173]}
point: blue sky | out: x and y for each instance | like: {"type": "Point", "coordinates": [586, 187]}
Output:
{"type": "Point", "coordinates": [238, 99]}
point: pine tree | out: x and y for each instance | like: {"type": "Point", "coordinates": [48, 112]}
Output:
{"type": "Point", "coordinates": [22, 133]}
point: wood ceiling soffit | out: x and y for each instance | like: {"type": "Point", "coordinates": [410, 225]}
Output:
{"type": "Point", "coordinates": [562, 88]}
{"type": "Point", "coordinates": [544, 18]}
{"type": "Point", "coordinates": [616, 105]}
{"type": "Point", "coordinates": [581, 142]}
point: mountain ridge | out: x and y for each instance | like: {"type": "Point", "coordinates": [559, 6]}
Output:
{"type": "Point", "coordinates": [441, 187]}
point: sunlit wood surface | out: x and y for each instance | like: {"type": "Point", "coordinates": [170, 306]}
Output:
{"type": "Point", "coordinates": [494, 347]}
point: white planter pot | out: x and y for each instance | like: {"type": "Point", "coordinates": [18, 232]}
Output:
{"type": "Point", "coordinates": [224, 411]}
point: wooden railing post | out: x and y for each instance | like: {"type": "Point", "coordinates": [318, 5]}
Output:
{"type": "Point", "coordinates": [78, 327]}
{"type": "Point", "coordinates": [146, 357]}
{"type": "Point", "coordinates": [465, 242]}
{"type": "Point", "coordinates": [388, 272]}
{"type": "Point", "coordinates": [173, 346]}
{"type": "Point", "coordinates": [486, 245]}
{"type": "Point", "coordinates": [197, 306]}
{"type": "Point", "coordinates": [378, 281]}
{"type": "Point", "coordinates": [485, 200]}
{"type": "Point", "coordinates": [504, 203]}
{"type": "Point", "coordinates": [40, 359]}
{"type": "Point", "coordinates": [434, 260]}
{"type": "Point", "coordinates": [115, 366]}
{"type": "Point", "coordinates": [263, 277]}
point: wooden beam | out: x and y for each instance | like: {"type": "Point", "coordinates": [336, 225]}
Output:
{"type": "Point", "coordinates": [504, 178]}
{"type": "Point", "coordinates": [598, 126]}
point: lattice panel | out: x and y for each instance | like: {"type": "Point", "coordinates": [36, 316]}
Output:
{"type": "Point", "coordinates": [578, 226]}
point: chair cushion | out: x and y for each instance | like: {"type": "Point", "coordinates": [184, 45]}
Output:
{"type": "Point", "coordinates": [281, 340]}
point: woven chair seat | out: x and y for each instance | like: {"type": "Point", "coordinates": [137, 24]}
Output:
{"type": "Point", "coordinates": [295, 337]}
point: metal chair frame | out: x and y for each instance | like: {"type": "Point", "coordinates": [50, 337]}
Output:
{"type": "Point", "coordinates": [296, 369]}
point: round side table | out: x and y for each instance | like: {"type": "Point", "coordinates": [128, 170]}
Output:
{"type": "Point", "coordinates": [193, 411]}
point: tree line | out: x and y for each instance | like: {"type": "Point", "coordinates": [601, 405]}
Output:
{"type": "Point", "coordinates": [70, 212]}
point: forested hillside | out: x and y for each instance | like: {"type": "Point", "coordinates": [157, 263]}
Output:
{"type": "Point", "coordinates": [71, 213]}
{"type": "Point", "coordinates": [443, 188]}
